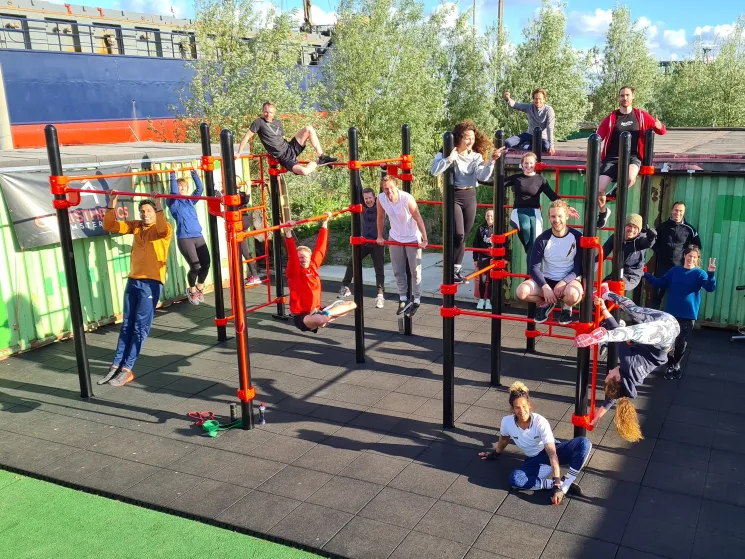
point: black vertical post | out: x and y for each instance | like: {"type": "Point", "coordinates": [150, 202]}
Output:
{"type": "Point", "coordinates": [356, 198]}
{"type": "Point", "coordinates": [586, 306]}
{"type": "Point", "coordinates": [279, 286]}
{"type": "Point", "coordinates": [622, 194]}
{"type": "Point", "coordinates": [496, 285]}
{"type": "Point", "coordinates": [406, 150]}
{"type": "Point", "coordinates": [646, 194]}
{"type": "Point", "coordinates": [448, 278]}
{"type": "Point", "coordinates": [71, 275]}
{"type": "Point", "coordinates": [538, 151]}
{"type": "Point", "coordinates": [232, 222]}
{"type": "Point", "coordinates": [209, 185]}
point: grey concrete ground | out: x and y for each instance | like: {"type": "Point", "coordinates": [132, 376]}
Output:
{"type": "Point", "coordinates": [353, 459]}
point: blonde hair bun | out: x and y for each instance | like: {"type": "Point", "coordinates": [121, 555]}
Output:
{"type": "Point", "coordinates": [517, 387]}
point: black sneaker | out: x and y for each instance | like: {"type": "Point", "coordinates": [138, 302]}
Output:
{"type": "Point", "coordinates": [603, 218]}
{"type": "Point", "coordinates": [458, 276]}
{"type": "Point", "coordinates": [677, 372]}
{"type": "Point", "coordinates": [670, 373]}
{"type": "Point", "coordinates": [565, 316]}
{"type": "Point", "coordinates": [402, 307]}
{"type": "Point", "coordinates": [111, 374]}
{"type": "Point", "coordinates": [325, 160]}
{"type": "Point", "coordinates": [603, 351]}
{"type": "Point", "coordinates": [411, 311]}
{"type": "Point", "coordinates": [575, 489]}
{"type": "Point", "coordinates": [542, 314]}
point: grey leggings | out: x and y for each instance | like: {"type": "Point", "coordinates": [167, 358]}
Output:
{"type": "Point", "coordinates": [400, 255]}
{"type": "Point", "coordinates": [655, 328]}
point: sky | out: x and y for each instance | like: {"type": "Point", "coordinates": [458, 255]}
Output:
{"type": "Point", "coordinates": [672, 25]}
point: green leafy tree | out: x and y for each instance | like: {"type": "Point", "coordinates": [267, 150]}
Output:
{"type": "Point", "coordinates": [626, 61]}
{"type": "Point", "coordinates": [547, 60]}
{"type": "Point", "coordinates": [244, 59]}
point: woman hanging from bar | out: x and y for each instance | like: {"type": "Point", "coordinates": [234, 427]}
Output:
{"type": "Point", "coordinates": [526, 213]}
{"type": "Point", "coordinates": [532, 434]}
{"type": "Point", "coordinates": [642, 348]}
{"type": "Point", "coordinates": [468, 161]}
{"type": "Point", "coordinates": [191, 243]}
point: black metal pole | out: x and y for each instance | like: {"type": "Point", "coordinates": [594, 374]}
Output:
{"type": "Point", "coordinates": [586, 306]}
{"type": "Point", "coordinates": [71, 275]}
{"type": "Point", "coordinates": [406, 150]}
{"type": "Point", "coordinates": [496, 285]}
{"type": "Point", "coordinates": [209, 185]}
{"type": "Point", "coordinates": [646, 194]}
{"type": "Point", "coordinates": [232, 219]}
{"type": "Point", "coordinates": [448, 278]}
{"type": "Point", "coordinates": [279, 286]}
{"type": "Point", "coordinates": [538, 151]}
{"type": "Point", "coordinates": [622, 194]}
{"type": "Point", "coordinates": [356, 197]}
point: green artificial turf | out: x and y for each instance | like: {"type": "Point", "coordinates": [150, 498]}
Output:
{"type": "Point", "coordinates": [43, 520]}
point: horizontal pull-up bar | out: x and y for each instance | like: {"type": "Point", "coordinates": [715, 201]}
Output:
{"type": "Point", "coordinates": [128, 174]}
{"type": "Point", "coordinates": [355, 208]}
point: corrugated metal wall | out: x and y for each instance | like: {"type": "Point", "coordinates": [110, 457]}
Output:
{"type": "Point", "coordinates": [715, 207]}
{"type": "Point", "coordinates": [34, 305]}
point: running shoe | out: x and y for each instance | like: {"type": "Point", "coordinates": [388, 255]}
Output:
{"type": "Point", "coordinates": [543, 313]}
{"type": "Point", "coordinates": [200, 295]}
{"type": "Point", "coordinates": [336, 303]}
{"type": "Point", "coordinates": [565, 316]}
{"type": "Point", "coordinates": [379, 301]}
{"type": "Point", "coordinates": [252, 280]}
{"type": "Point", "coordinates": [604, 290]}
{"type": "Point", "coordinates": [603, 218]}
{"type": "Point", "coordinates": [325, 160]}
{"type": "Point", "coordinates": [673, 372]}
{"type": "Point", "coordinates": [122, 378]}
{"type": "Point", "coordinates": [344, 292]}
{"type": "Point", "coordinates": [402, 307]}
{"type": "Point", "coordinates": [109, 375]}
{"type": "Point", "coordinates": [488, 305]}
{"type": "Point", "coordinates": [594, 337]}
{"type": "Point", "coordinates": [193, 297]}
{"type": "Point", "coordinates": [480, 305]}
{"type": "Point", "coordinates": [411, 309]}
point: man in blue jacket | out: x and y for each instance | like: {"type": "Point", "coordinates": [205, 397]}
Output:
{"type": "Point", "coordinates": [684, 284]}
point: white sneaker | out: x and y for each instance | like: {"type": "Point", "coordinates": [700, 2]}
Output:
{"type": "Point", "coordinates": [332, 305]}
{"type": "Point", "coordinates": [344, 292]}
{"type": "Point", "coordinates": [379, 302]}
{"type": "Point", "coordinates": [480, 305]}
{"type": "Point", "coordinates": [488, 305]}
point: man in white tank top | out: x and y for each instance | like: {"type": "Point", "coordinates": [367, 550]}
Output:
{"type": "Point", "coordinates": [407, 226]}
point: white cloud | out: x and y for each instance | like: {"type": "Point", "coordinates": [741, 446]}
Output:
{"type": "Point", "coordinates": [673, 56]}
{"type": "Point", "coordinates": [179, 9]}
{"type": "Point", "coordinates": [585, 23]}
{"type": "Point", "coordinates": [716, 32]}
{"type": "Point", "coordinates": [675, 39]}
{"type": "Point", "coordinates": [646, 23]}
{"type": "Point", "coordinates": [319, 17]}
{"type": "Point", "coordinates": [451, 11]}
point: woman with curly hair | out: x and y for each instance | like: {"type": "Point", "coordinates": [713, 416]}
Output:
{"type": "Point", "coordinates": [645, 348]}
{"type": "Point", "coordinates": [468, 162]}
{"type": "Point", "coordinates": [532, 434]}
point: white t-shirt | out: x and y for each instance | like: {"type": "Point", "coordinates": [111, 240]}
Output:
{"type": "Point", "coordinates": [403, 227]}
{"type": "Point", "coordinates": [531, 440]}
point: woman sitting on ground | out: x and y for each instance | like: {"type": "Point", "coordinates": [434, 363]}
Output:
{"type": "Point", "coordinates": [532, 434]}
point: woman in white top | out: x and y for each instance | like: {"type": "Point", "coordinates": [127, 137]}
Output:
{"type": "Point", "coordinates": [468, 161]}
{"type": "Point", "coordinates": [544, 455]}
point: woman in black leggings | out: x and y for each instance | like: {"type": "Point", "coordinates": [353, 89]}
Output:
{"type": "Point", "coordinates": [191, 243]}
{"type": "Point", "coordinates": [468, 158]}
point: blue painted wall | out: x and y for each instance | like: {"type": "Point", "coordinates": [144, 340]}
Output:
{"type": "Point", "coordinates": [43, 87]}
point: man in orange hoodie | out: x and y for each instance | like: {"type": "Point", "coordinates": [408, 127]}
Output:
{"type": "Point", "coordinates": [151, 238]}
{"type": "Point", "coordinates": [304, 283]}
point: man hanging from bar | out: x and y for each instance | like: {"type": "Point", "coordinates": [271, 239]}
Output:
{"type": "Point", "coordinates": [304, 283]}
{"type": "Point", "coordinates": [555, 267]}
{"type": "Point", "coordinates": [642, 348]}
{"type": "Point", "coordinates": [271, 133]}
{"type": "Point", "coordinates": [151, 237]}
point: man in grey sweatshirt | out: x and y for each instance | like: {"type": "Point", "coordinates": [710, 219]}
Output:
{"type": "Point", "coordinates": [539, 115]}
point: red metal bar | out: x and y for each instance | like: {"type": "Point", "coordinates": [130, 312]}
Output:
{"type": "Point", "coordinates": [477, 273]}
{"type": "Point", "coordinates": [244, 234]}
{"type": "Point", "coordinates": [429, 202]}
{"type": "Point", "coordinates": [249, 310]}
{"type": "Point", "coordinates": [380, 162]}
{"type": "Point", "coordinates": [128, 174]}
{"type": "Point", "coordinates": [428, 247]}
{"type": "Point", "coordinates": [141, 194]}
{"type": "Point", "coordinates": [252, 208]}
{"type": "Point", "coordinates": [254, 259]}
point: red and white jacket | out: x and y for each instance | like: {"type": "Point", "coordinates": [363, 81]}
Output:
{"type": "Point", "coordinates": [646, 121]}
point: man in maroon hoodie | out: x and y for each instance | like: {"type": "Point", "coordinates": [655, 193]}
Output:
{"type": "Point", "coordinates": [625, 119]}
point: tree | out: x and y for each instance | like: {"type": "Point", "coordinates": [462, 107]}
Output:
{"type": "Point", "coordinates": [547, 60]}
{"type": "Point", "coordinates": [244, 60]}
{"type": "Point", "coordinates": [626, 61]}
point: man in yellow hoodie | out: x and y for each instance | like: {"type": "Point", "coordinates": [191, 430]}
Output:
{"type": "Point", "coordinates": [152, 236]}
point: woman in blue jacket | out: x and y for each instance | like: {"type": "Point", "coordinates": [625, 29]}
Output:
{"type": "Point", "coordinates": [191, 243]}
{"type": "Point", "coordinates": [684, 284]}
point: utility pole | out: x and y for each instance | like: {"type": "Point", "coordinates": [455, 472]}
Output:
{"type": "Point", "coordinates": [500, 37]}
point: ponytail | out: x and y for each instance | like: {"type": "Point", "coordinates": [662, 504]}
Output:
{"type": "Point", "coordinates": [627, 421]}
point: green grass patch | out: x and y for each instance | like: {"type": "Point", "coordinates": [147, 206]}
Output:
{"type": "Point", "coordinates": [42, 520]}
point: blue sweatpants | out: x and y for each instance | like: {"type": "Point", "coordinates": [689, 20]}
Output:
{"type": "Point", "coordinates": [140, 299]}
{"type": "Point", "coordinates": [533, 470]}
